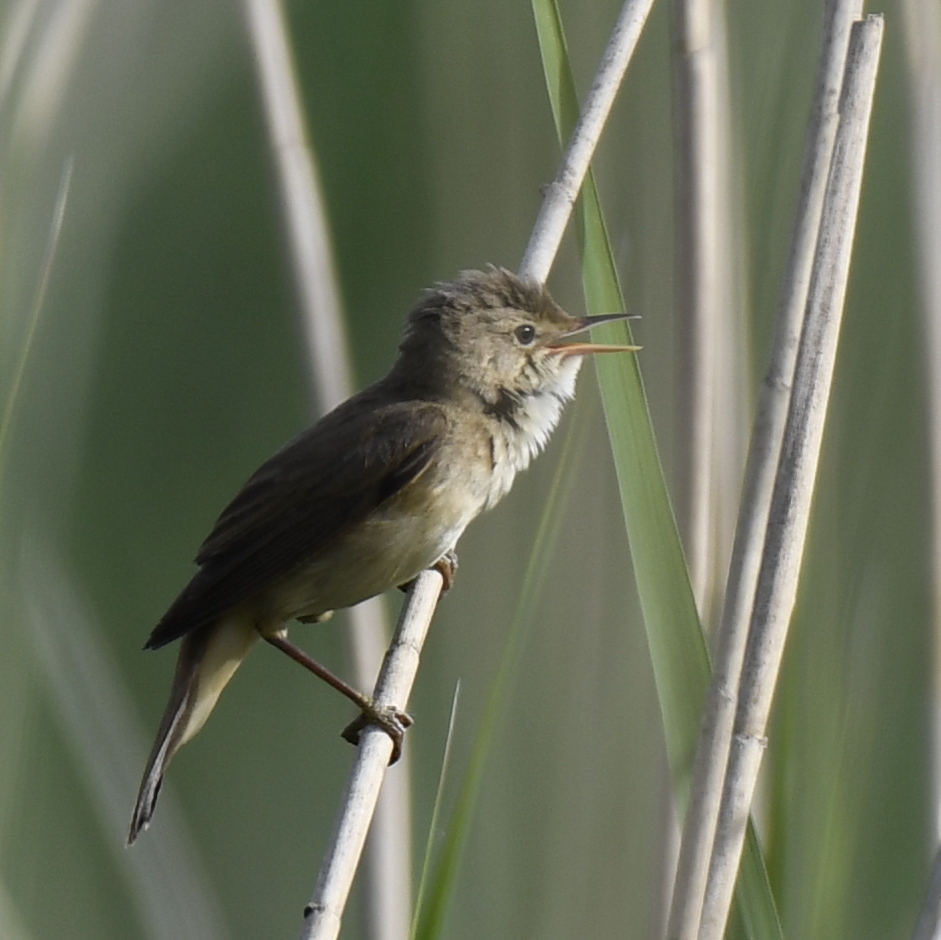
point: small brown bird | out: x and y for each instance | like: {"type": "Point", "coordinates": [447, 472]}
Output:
{"type": "Point", "coordinates": [374, 492]}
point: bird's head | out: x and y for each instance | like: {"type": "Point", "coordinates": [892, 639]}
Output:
{"type": "Point", "coordinates": [501, 338]}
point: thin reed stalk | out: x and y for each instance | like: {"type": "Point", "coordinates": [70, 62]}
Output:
{"type": "Point", "coordinates": [702, 272]}
{"type": "Point", "coordinates": [701, 265]}
{"type": "Point", "coordinates": [923, 44]}
{"type": "Point", "coordinates": [322, 916]}
{"type": "Point", "coordinates": [793, 489]}
{"type": "Point", "coordinates": [304, 213]}
{"type": "Point", "coordinates": [324, 913]}
{"type": "Point", "coordinates": [929, 921]}
{"type": "Point", "coordinates": [719, 708]}
{"type": "Point", "coordinates": [562, 192]}
{"type": "Point", "coordinates": [389, 856]}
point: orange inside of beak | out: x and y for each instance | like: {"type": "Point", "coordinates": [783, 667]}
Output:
{"type": "Point", "coordinates": [586, 349]}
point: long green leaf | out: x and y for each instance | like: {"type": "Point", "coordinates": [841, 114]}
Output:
{"type": "Point", "coordinates": [678, 650]}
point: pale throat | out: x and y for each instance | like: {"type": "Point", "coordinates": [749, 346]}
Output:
{"type": "Point", "coordinates": [525, 423]}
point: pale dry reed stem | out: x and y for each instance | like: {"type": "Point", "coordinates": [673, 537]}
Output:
{"type": "Point", "coordinates": [794, 482]}
{"type": "Point", "coordinates": [562, 192]}
{"type": "Point", "coordinates": [701, 241]}
{"type": "Point", "coordinates": [701, 273]}
{"type": "Point", "coordinates": [389, 857]}
{"type": "Point", "coordinates": [302, 202]}
{"type": "Point", "coordinates": [324, 913]}
{"type": "Point", "coordinates": [322, 922]}
{"type": "Point", "coordinates": [922, 20]}
{"type": "Point", "coordinates": [929, 921]}
{"type": "Point", "coordinates": [719, 708]}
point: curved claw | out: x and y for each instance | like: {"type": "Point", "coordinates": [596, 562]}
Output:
{"type": "Point", "coordinates": [446, 566]}
{"type": "Point", "coordinates": [387, 717]}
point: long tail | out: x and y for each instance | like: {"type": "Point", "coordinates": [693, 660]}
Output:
{"type": "Point", "coordinates": [208, 659]}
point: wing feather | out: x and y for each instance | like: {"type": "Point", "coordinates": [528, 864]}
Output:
{"type": "Point", "coordinates": [317, 487]}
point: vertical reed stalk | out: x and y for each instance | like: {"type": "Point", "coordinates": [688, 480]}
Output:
{"type": "Point", "coordinates": [929, 922]}
{"type": "Point", "coordinates": [800, 450]}
{"type": "Point", "coordinates": [923, 43]}
{"type": "Point", "coordinates": [701, 266]}
{"type": "Point", "coordinates": [719, 708]}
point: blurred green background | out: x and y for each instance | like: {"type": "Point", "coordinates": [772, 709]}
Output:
{"type": "Point", "coordinates": [166, 362]}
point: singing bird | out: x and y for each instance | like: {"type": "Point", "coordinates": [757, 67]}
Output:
{"type": "Point", "coordinates": [375, 491]}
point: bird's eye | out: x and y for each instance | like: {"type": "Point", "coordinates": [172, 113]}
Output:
{"type": "Point", "coordinates": [525, 334]}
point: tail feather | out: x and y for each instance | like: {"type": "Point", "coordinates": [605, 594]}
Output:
{"type": "Point", "coordinates": [208, 659]}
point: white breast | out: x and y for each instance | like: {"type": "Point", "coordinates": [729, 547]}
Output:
{"type": "Point", "coordinates": [518, 441]}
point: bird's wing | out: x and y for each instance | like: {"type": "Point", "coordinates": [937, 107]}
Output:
{"type": "Point", "coordinates": [312, 491]}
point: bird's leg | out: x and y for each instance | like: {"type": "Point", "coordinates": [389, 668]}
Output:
{"type": "Point", "coordinates": [446, 566]}
{"type": "Point", "coordinates": [390, 719]}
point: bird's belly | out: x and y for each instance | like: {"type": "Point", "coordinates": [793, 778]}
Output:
{"type": "Point", "coordinates": [389, 548]}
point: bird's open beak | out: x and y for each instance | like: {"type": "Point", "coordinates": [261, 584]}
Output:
{"type": "Point", "coordinates": [564, 350]}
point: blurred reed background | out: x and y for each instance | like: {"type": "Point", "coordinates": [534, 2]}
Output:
{"type": "Point", "coordinates": [164, 361]}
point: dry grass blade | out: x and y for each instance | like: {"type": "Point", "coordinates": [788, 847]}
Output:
{"type": "Point", "coordinates": [793, 489]}
{"type": "Point", "coordinates": [719, 709]}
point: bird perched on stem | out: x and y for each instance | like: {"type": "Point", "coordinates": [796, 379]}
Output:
{"type": "Point", "coordinates": [374, 492]}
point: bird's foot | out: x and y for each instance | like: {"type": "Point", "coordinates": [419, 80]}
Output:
{"type": "Point", "coordinates": [387, 717]}
{"type": "Point", "coordinates": [446, 566]}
